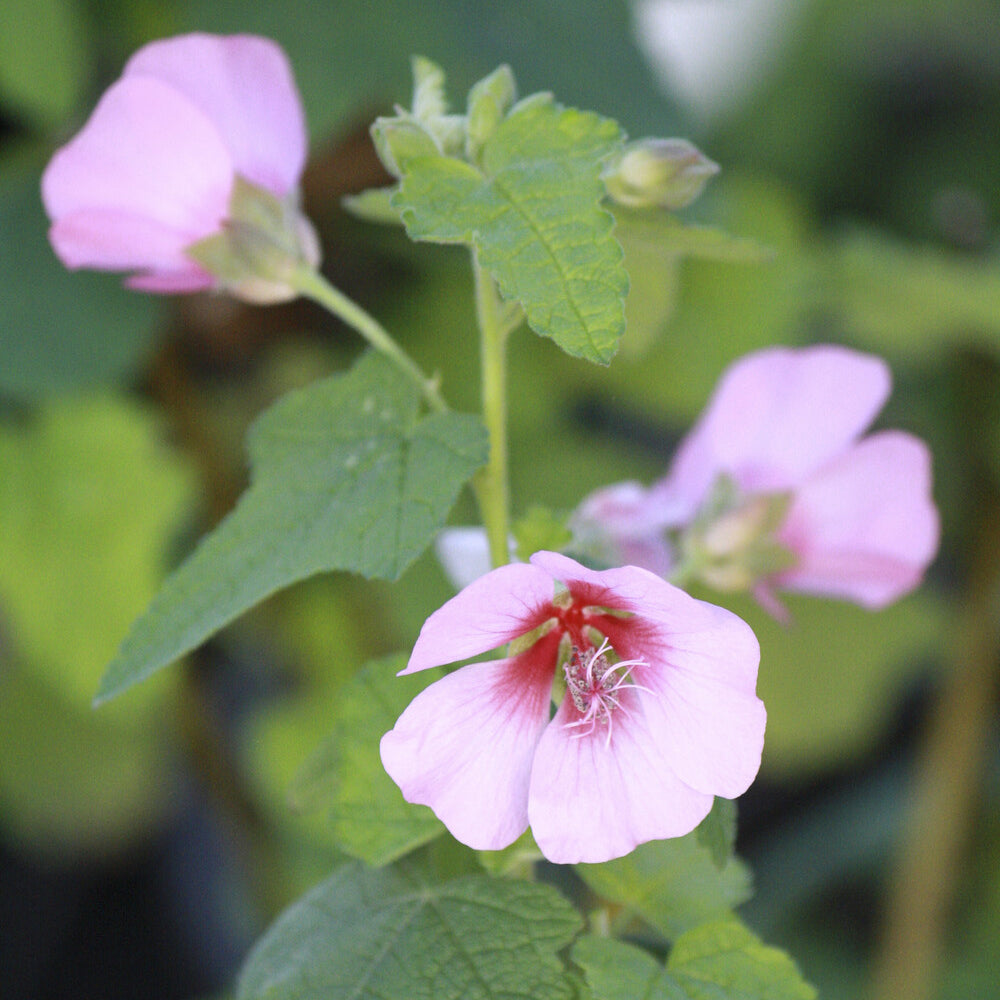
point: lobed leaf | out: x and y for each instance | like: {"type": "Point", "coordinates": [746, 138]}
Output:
{"type": "Point", "coordinates": [717, 831]}
{"type": "Point", "coordinates": [673, 885]}
{"type": "Point", "coordinates": [368, 815]}
{"type": "Point", "coordinates": [721, 961]}
{"type": "Point", "coordinates": [346, 475]}
{"type": "Point", "coordinates": [531, 208]}
{"type": "Point", "coordinates": [388, 935]}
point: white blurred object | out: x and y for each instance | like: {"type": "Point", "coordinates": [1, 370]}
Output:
{"type": "Point", "coordinates": [464, 554]}
{"type": "Point", "coordinates": [711, 53]}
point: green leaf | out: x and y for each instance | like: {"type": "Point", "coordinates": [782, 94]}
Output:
{"type": "Point", "coordinates": [672, 884]}
{"type": "Point", "coordinates": [385, 935]}
{"type": "Point", "coordinates": [726, 954]}
{"type": "Point", "coordinates": [531, 208]}
{"type": "Point", "coordinates": [346, 475]}
{"type": "Point", "coordinates": [43, 58]}
{"type": "Point", "coordinates": [615, 970]}
{"type": "Point", "coordinates": [368, 815]}
{"type": "Point", "coordinates": [717, 831]}
{"type": "Point", "coordinates": [716, 961]}
{"type": "Point", "coordinates": [489, 101]}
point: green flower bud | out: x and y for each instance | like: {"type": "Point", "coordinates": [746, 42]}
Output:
{"type": "Point", "coordinates": [669, 173]}
{"type": "Point", "coordinates": [731, 544]}
{"type": "Point", "coordinates": [489, 100]}
{"type": "Point", "coordinates": [399, 140]}
{"type": "Point", "coordinates": [263, 241]}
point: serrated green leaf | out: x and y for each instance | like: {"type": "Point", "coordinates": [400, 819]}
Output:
{"type": "Point", "coordinates": [346, 475]}
{"type": "Point", "coordinates": [368, 815]}
{"type": "Point", "coordinates": [716, 961]}
{"type": "Point", "coordinates": [618, 971]}
{"type": "Point", "coordinates": [672, 884]}
{"type": "Point", "coordinates": [385, 935]}
{"type": "Point", "coordinates": [725, 954]}
{"type": "Point", "coordinates": [399, 141]}
{"type": "Point", "coordinates": [489, 100]}
{"type": "Point", "coordinates": [717, 831]}
{"type": "Point", "coordinates": [531, 208]}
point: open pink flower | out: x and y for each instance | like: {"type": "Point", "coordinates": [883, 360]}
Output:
{"type": "Point", "coordinates": [861, 523]}
{"type": "Point", "coordinates": [153, 169]}
{"type": "Point", "coordinates": [777, 485]}
{"type": "Point", "coordinates": [659, 715]}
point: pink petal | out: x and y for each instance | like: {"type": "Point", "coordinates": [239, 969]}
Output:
{"type": "Point", "coordinates": [464, 747]}
{"type": "Point", "coordinates": [865, 526]}
{"type": "Point", "coordinates": [775, 417]}
{"type": "Point", "coordinates": [116, 240]}
{"type": "Point", "coordinates": [701, 669]}
{"type": "Point", "coordinates": [490, 611]}
{"type": "Point", "coordinates": [711, 732]}
{"type": "Point", "coordinates": [606, 588]}
{"type": "Point", "coordinates": [243, 84]}
{"type": "Point", "coordinates": [591, 800]}
{"type": "Point", "coordinates": [617, 525]}
{"type": "Point", "coordinates": [666, 618]}
{"type": "Point", "coordinates": [151, 165]}
{"type": "Point", "coordinates": [193, 279]}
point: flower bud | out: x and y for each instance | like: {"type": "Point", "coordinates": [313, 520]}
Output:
{"type": "Point", "coordinates": [262, 243]}
{"type": "Point", "coordinates": [669, 173]}
{"type": "Point", "coordinates": [155, 168]}
{"type": "Point", "coordinates": [732, 543]}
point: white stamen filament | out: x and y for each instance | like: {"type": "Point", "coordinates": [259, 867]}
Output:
{"type": "Point", "coordinates": [593, 684]}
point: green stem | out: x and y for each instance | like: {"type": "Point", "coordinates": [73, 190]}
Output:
{"type": "Point", "coordinates": [314, 286]}
{"type": "Point", "coordinates": [491, 480]}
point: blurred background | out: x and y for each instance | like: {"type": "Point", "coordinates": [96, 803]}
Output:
{"type": "Point", "coordinates": [144, 846]}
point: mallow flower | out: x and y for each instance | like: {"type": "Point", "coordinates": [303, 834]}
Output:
{"type": "Point", "coordinates": [776, 488]}
{"type": "Point", "coordinates": [658, 710]}
{"type": "Point", "coordinates": [186, 173]}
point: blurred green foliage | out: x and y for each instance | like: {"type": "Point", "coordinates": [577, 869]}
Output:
{"type": "Point", "coordinates": [866, 162]}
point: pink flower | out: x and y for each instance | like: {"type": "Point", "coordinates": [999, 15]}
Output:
{"type": "Point", "coordinates": [153, 170]}
{"type": "Point", "coordinates": [775, 488]}
{"type": "Point", "coordinates": [660, 713]}
{"type": "Point", "coordinates": [860, 522]}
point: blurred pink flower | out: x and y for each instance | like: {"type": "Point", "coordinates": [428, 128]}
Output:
{"type": "Point", "coordinates": [853, 516]}
{"type": "Point", "coordinates": [153, 169]}
{"type": "Point", "coordinates": [861, 522]}
{"type": "Point", "coordinates": [660, 713]}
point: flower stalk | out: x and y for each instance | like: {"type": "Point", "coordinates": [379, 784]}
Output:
{"type": "Point", "coordinates": [491, 482]}
{"type": "Point", "coordinates": [314, 286]}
